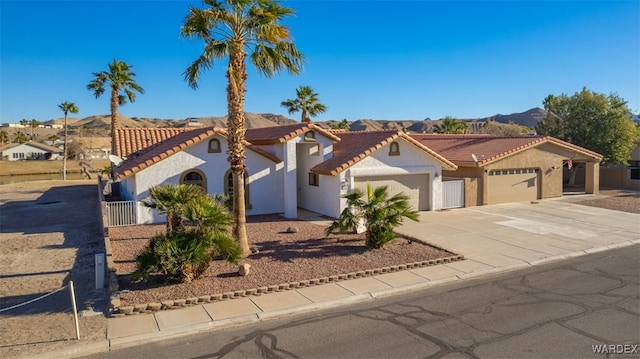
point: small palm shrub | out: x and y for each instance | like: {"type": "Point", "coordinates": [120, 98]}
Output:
{"type": "Point", "coordinates": [379, 212]}
{"type": "Point", "coordinates": [198, 232]}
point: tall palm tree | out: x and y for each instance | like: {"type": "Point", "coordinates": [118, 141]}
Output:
{"type": "Point", "coordinates": [66, 107]}
{"type": "Point", "coordinates": [118, 79]}
{"type": "Point", "coordinates": [237, 29]}
{"type": "Point", "coordinates": [33, 124]}
{"type": "Point", "coordinates": [307, 102]}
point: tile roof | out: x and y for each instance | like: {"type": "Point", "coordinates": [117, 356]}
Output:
{"type": "Point", "coordinates": [155, 153]}
{"type": "Point", "coordinates": [283, 133]}
{"type": "Point", "coordinates": [131, 140]}
{"type": "Point", "coordinates": [459, 148]}
{"type": "Point", "coordinates": [356, 145]}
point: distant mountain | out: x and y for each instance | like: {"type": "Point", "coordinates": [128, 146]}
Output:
{"type": "Point", "coordinates": [509, 124]}
{"type": "Point", "coordinates": [528, 118]}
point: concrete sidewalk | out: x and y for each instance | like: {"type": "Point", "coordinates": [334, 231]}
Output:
{"type": "Point", "coordinates": [492, 238]}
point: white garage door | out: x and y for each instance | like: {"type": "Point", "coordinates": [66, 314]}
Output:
{"type": "Point", "coordinates": [513, 185]}
{"type": "Point", "coordinates": [414, 186]}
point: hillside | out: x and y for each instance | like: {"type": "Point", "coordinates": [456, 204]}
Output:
{"type": "Point", "coordinates": [99, 125]}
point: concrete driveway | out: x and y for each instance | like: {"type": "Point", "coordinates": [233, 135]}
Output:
{"type": "Point", "coordinates": [523, 233]}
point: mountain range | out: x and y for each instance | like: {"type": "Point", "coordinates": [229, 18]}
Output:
{"type": "Point", "coordinates": [527, 119]}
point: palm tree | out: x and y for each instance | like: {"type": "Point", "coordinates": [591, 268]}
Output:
{"type": "Point", "coordinates": [66, 107]}
{"type": "Point", "coordinates": [24, 122]}
{"type": "Point", "coordinates": [379, 213]}
{"type": "Point", "coordinates": [118, 79]}
{"type": "Point", "coordinates": [4, 137]}
{"type": "Point", "coordinates": [33, 124]}
{"type": "Point", "coordinates": [169, 199]}
{"type": "Point", "coordinates": [21, 137]}
{"type": "Point", "coordinates": [451, 125]}
{"type": "Point", "coordinates": [237, 29]}
{"type": "Point", "coordinates": [306, 101]}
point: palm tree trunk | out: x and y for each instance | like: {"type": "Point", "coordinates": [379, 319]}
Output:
{"type": "Point", "coordinates": [64, 159]}
{"type": "Point", "coordinates": [114, 120]}
{"type": "Point", "coordinates": [236, 75]}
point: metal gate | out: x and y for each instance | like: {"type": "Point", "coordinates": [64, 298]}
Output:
{"type": "Point", "coordinates": [452, 194]}
{"type": "Point", "coordinates": [122, 213]}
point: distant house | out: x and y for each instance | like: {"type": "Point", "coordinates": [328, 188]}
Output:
{"type": "Point", "coordinates": [30, 151]}
{"type": "Point", "coordinates": [288, 167]}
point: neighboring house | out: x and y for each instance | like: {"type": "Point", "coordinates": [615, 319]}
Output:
{"type": "Point", "coordinates": [621, 176]}
{"type": "Point", "coordinates": [510, 169]}
{"type": "Point", "coordinates": [288, 167]}
{"type": "Point", "coordinates": [29, 151]}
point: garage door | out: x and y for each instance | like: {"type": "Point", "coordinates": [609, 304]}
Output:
{"type": "Point", "coordinates": [414, 186]}
{"type": "Point", "coordinates": [513, 185]}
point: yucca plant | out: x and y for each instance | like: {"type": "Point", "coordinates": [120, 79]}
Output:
{"type": "Point", "coordinates": [379, 212]}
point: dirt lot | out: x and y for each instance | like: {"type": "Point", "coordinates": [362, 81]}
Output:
{"type": "Point", "coordinates": [50, 231]}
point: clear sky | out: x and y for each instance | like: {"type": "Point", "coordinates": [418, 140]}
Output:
{"type": "Point", "coordinates": [393, 60]}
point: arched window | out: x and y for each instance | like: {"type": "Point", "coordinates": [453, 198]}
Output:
{"type": "Point", "coordinates": [310, 136]}
{"type": "Point", "coordinates": [394, 149]}
{"type": "Point", "coordinates": [228, 188]}
{"type": "Point", "coordinates": [195, 177]}
{"type": "Point", "coordinates": [214, 146]}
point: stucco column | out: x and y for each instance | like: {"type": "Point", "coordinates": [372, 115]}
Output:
{"type": "Point", "coordinates": [592, 178]}
{"type": "Point", "coordinates": [290, 181]}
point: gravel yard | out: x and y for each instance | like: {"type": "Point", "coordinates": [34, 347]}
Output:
{"type": "Point", "coordinates": [282, 258]}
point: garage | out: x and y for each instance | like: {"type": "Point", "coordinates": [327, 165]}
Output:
{"type": "Point", "coordinates": [415, 186]}
{"type": "Point", "coordinates": [513, 185]}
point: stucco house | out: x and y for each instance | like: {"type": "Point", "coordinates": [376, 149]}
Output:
{"type": "Point", "coordinates": [29, 151]}
{"type": "Point", "coordinates": [495, 170]}
{"type": "Point", "coordinates": [288, 167]}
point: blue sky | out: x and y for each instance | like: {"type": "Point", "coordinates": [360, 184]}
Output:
{"type": "Point", "coordinates": [393, 60]}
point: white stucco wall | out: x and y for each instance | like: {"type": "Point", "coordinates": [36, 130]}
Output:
{"type": "Point", "coordinates": [265, 177]}
{"type": "Point", "coordinates": [410, 161]}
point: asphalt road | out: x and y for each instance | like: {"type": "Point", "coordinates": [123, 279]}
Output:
{"type": "Point", "coordinates": [565, 309]}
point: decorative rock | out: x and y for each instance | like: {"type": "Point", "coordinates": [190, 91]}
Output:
{"type": "Point", "coordinates": [342, 276]}
{"type": "Point", "coordinates": [252, 291]}
{"type": "Point", "coordinates": [274, 288]}
{"type": "Point", "coordinates": [292, 230]}
{"type": "Point", "coordinates": [377, 271]}
{"type": "Point", "coordinates": [216, 297]}
{"type": "Point", "coordinates": [239, 293]}
{"type": "Point", "coordinates": [114, 302]}
{"type": "Point", "coordinates": [294, 284]}
{"type": "Point", "coordinates": [360, 273]}
{"type": "Point", "coordinates": [283, 286]}
{"type": "Point", "coordinates": [324, 280]}
{"type": "Point", "coordinates": [351, 275]}
{"type": "Point", "coordinates": [368, 272]}
{"type": "Point", "coordinates": [227, 295]}
{"type": "Point", "coordinates": [385, 269]}
{"type": "Point", "coordinates": [263, 289]}
{"type": "Point", "coordinates": [126, 310]}
{"type": "Point", "coordinates": [314, 281]}
{"type": "Point", "coordinates": [180, 302]}
{"type": "Point", "coordinates": [166, 304]}
{"type": "Point", "coordinates": [192, 300]}
{"type": "Point", "coordinates": [402, 266]}
{"type": "Point", "coordinates": [333, 278]}
{"type": "Point", "coordinates": [154, 306]}
{"type": "Point", "coordinates": [204, 299]}
{"type": "Point", "coordinates": [254, 250]}
{"type": "Point", "coordinates": [244, 268]}
{"type": "Point", "coordinates": [304, 283]}
{"type": "Point", "coordinates": [139, 308]}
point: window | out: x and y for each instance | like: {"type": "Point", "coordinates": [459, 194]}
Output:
{"type": "Point", "coordinates": [314, 150]}
{"type": "Point", "coordinates": [635, 173]}
{"type": "Point", "coordinates": [394, 149]}
{"type": "Point", "coordinates": [310, 136]}
{"type": "Point", "coordinates": [228, 188]}
{"type": "Point", "coordinates": [19, 156]}
{"type": "Point", "coordinates": [314, 179]}
{"type": "Point", "coordinates": [214, 146]}
{"type": "Point", "coordinates": [194, 177]}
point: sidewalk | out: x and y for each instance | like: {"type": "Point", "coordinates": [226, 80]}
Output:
{"type": "Point", "coordinates": [492, 238]}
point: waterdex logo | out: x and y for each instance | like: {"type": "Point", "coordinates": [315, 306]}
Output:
{"type": "Point", "coordinates": [615, 348]}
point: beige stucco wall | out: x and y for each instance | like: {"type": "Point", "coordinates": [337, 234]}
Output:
{"type": "Point", "coordinates": [547, 158]}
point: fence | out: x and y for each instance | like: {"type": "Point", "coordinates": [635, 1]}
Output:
{"type": "Point", "coordinates": [121, 213]}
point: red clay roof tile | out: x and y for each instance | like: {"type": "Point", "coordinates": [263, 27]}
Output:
{"type": "Point", "coordinates": [283, 133]}
{"type": "Point", "coordinates": [357, 145]}
{"type": "Point", "coordinates": [459, 148]}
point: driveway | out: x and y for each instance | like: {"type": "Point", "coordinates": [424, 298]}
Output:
{"type": "Point", "coordinates": [523, 233]}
